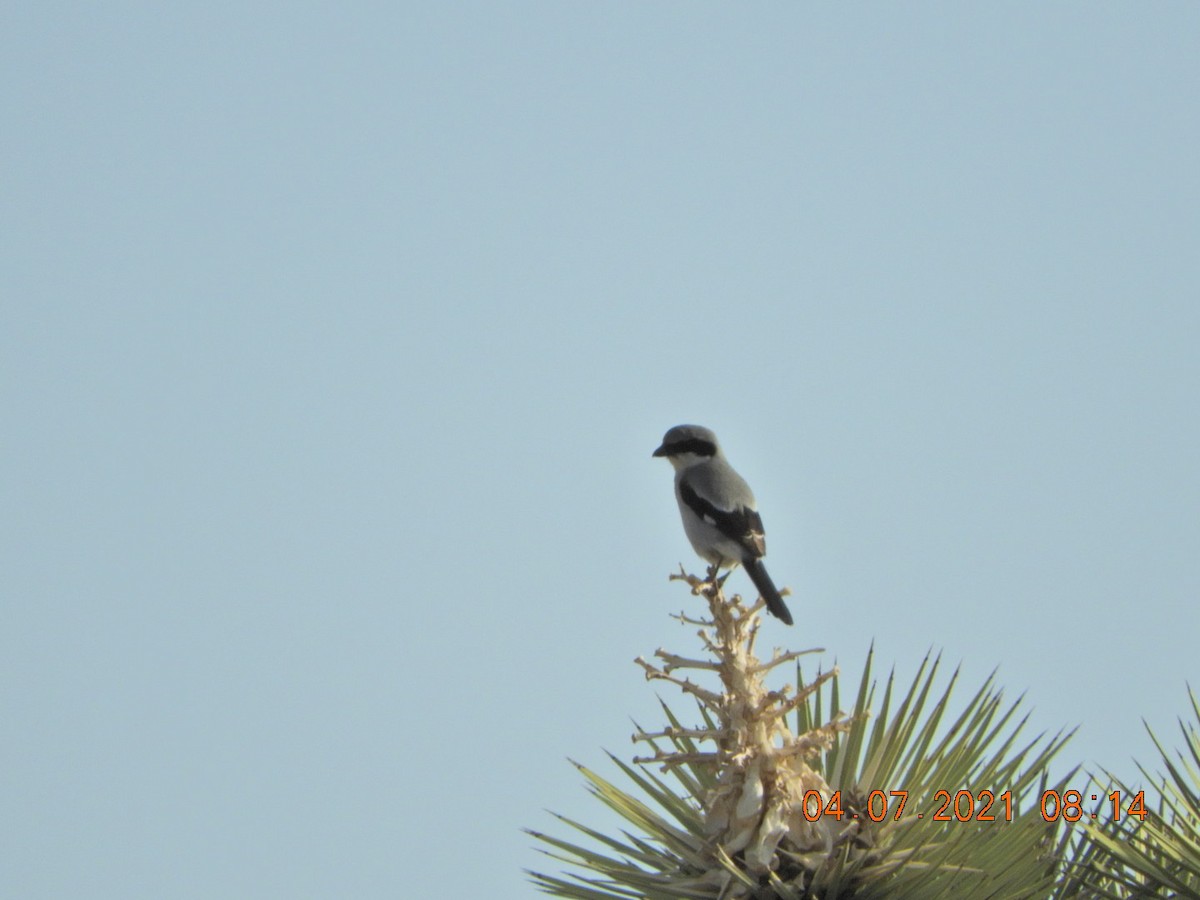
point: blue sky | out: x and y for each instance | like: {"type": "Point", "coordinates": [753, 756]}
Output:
{"type": "Point", "coordinates": [336, 341]}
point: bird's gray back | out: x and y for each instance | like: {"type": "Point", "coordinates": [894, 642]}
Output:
{"type": "Point", "coordinates": [717, 481]}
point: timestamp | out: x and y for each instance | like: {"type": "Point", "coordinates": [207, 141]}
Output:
{"type": "Point", "coordinates": [968, 806]}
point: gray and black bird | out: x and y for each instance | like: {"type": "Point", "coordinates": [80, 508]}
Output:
{"type": "Point", "coordinates": [719, 514]}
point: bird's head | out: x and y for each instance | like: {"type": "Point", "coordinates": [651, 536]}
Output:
{"type": "Point", "coordinates": [686, 445]}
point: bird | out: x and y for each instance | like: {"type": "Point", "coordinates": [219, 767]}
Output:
{"type": "Point", "coordinates": [720, 516]}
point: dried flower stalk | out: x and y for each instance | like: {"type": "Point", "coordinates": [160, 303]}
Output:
{"type": "Point", "coordinates": [760, 768]}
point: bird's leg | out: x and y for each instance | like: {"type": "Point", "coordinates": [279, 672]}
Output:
{"type": "Point", "coordinates": [714, 575]}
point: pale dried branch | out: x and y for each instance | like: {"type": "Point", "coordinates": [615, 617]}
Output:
{"type": "Point", "coordinates": [705, 696]}
{"type": "Point", "coordinates": [703, 734]}
{"type": "Point", "coordinates": [780, 658]}
{"type": "Point", "coordinates": [682, 662]}
{"type": "Point", "coordinates": [808, 690]}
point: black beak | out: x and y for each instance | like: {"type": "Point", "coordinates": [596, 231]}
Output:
{"type": "Point", "coordinates": [661, 451]}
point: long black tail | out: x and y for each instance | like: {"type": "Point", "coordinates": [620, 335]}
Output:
{"type": "Point", "coordinates": [758, 574]}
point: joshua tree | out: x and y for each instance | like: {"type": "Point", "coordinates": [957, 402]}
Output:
{"type": "Point", "coordinates": [779, 793]}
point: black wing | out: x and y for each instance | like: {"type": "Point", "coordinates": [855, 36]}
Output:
{"type": "Point", "coordinates": [742, 524]}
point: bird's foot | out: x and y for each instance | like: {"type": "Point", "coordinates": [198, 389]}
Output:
{"type": "Point", "coordinates": [715, 579]}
